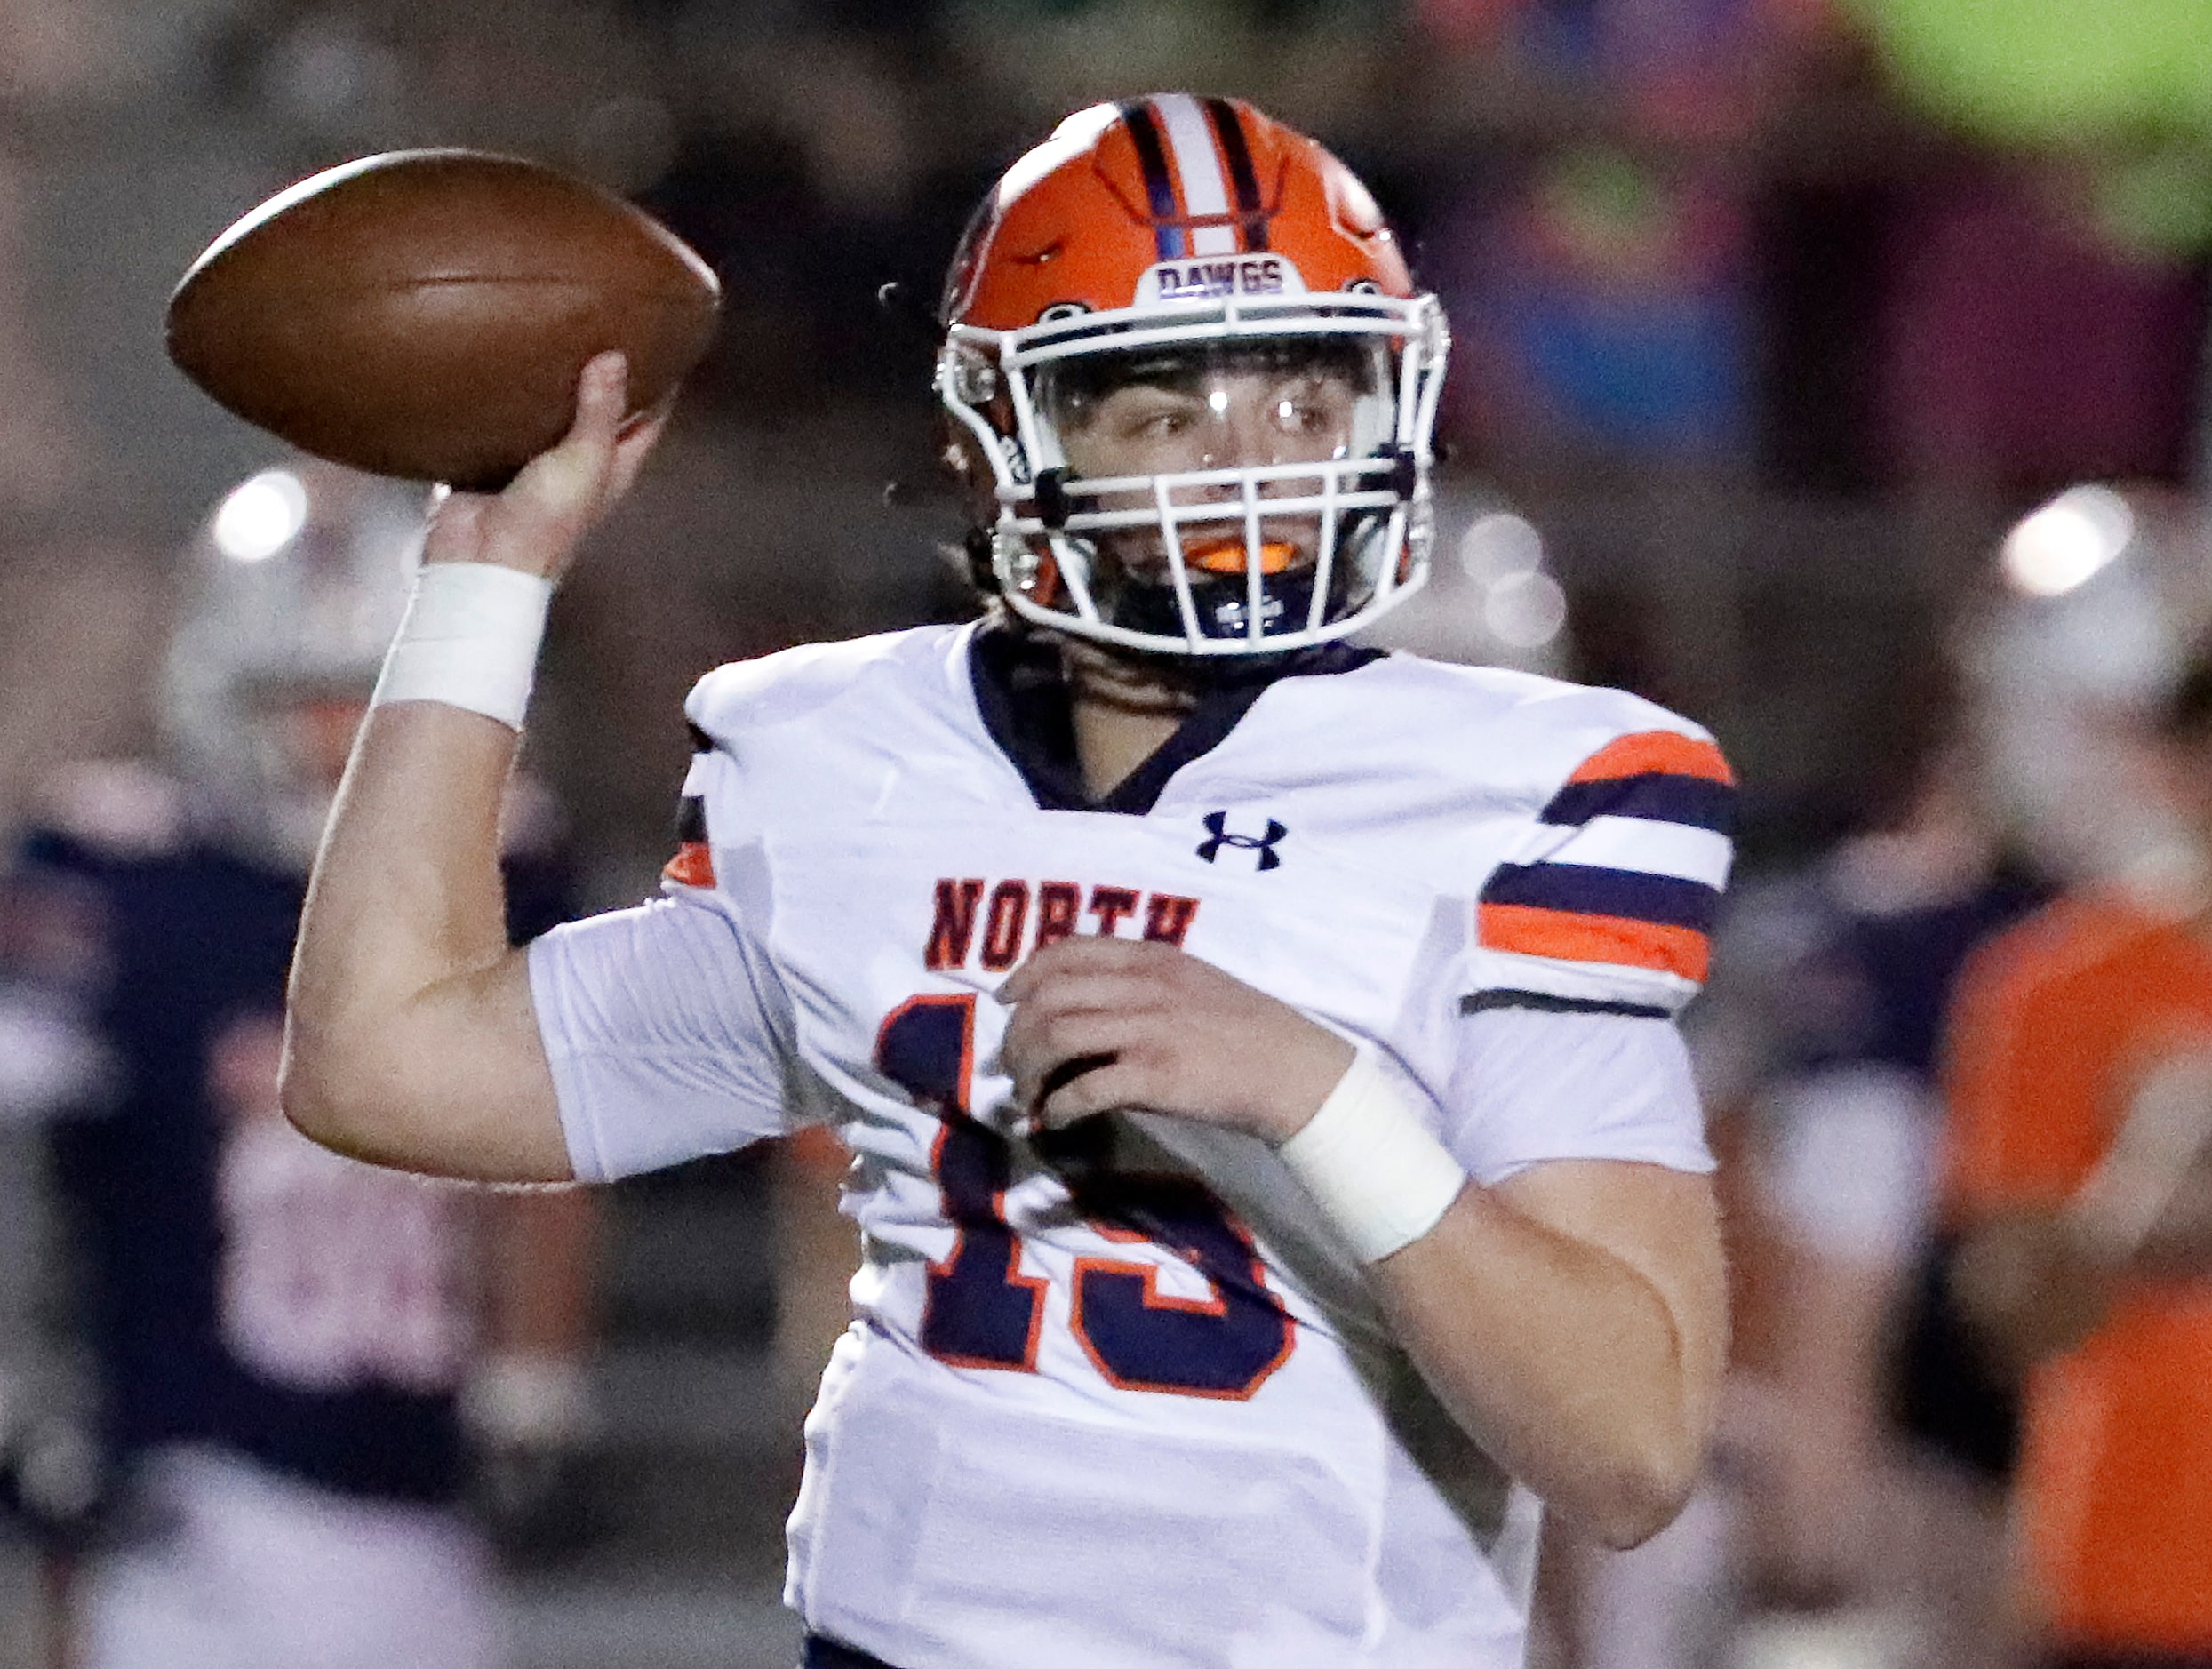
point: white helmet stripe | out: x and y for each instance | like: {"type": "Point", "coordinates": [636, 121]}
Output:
{"type": "Point", "coordinates": [1198, 167]}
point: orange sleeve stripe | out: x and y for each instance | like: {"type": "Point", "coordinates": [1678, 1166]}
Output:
{"type": "Point", "coordinates": [1668, 753]}
{"type": "Point", "coordinates": [693, 865]}
{"type": "Point", "coordinates": [1574, 936]}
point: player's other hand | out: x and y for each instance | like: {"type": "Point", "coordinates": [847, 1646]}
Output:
{"type": "Point", "coordinates": [1101, 1024]}
{"type": "Point", "coordinates": [543, 515]}
{"type": "Point", "coordinates": [2031, 1286]}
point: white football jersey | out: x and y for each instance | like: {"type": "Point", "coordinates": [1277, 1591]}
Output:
{"type": "Point", "coordinates": [1118, 1396]}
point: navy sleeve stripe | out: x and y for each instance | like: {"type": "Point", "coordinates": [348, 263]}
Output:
{"type": "Point", "coordinates": [1545, 1002]}
{"type": "Point", "coordinates": [1585, 890]}
{"type": "Point", "coordinates": [1662, 797]}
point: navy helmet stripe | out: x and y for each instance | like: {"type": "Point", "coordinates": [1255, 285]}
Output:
{"type": "Point", "coordinates": [1229, 128]}
{"type": "Point", "coordinates": [1660, 796]}
{"type": "Point", "coordinates": [1586, 890]}
{"type": "Point", "coordinates": [1159, 186]}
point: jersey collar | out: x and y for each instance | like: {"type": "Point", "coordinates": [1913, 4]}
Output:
{"type": "Point", "coordinates": [1023, 698]}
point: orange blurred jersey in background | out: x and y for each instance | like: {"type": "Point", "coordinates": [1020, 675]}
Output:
{"type": "Point", "coordinates": [2057, 1024]}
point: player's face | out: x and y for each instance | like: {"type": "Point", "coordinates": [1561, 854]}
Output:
{"type": "Point", "coordinates": [1229, 420]}
{"type": "Point", "coordinates": [1180, 413]}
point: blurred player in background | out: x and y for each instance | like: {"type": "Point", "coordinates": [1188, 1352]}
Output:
{"type": "Point", "coordinates": [1853, 964]}
{"type": "Point", "coordinates": [1279, 1172]}
{"type": "Point", "coordinates": [293, 1350]}
{"type": "Point", "coordinates": [2079, 1181]}
{"type": "Point", "coordinates": [1826, 1532]}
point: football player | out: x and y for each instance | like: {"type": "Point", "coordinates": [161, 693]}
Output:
{"type": "Point", "coordinates": [2078, 1178]}
{"type": "Point", "coordinates": [284, 1340]}
{"type": "Point", "coordinates": [1277, 1168]}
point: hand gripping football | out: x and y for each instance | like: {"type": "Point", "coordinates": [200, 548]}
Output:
{"type": "Point", "coordinates": [426, 314]}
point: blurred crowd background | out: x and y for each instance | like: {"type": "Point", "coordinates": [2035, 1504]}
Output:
{"type": "Point", "coordinates": [1831, 370]}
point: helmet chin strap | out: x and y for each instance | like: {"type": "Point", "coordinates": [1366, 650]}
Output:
{"type": "Point", "coordinates": [1219, 601]}
{"type": "Point", "coordinates": [1218, 573]}
{"type": "Point", "coordinates": [1178, 679]}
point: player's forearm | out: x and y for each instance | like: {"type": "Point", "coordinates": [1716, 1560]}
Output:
{"type": "Point", "coordinates": [411, 1038]}
{"type": "Point", "coordinates": [403, 931]}
{"type": "Point", "coordinates": [1562, 1360]}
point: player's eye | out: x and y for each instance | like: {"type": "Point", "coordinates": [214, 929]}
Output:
{"type": "Point", "coordinates": [1155, 421]}
{"type": "Point", "coordinates": [1309, 405]}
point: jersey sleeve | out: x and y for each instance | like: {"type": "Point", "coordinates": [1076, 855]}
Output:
{"type": "Point", "coordinates": [669, 1029]}
{"type": "Point", "coordinates": [1606, 899]}
{"type": "Point", "coordinates": [1531, 1085]}
{"type": "Point", "coordinates": [663, 1043]}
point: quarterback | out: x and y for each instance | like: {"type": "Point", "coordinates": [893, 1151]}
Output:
{"type": "Point", "coordinates": [1278, 1172]}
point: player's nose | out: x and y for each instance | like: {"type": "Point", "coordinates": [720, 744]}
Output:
{"type": "Point", "coordinates": [1239, 435]}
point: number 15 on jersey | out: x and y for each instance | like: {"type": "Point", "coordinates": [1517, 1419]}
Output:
{"type": "Point", "coordinates": [982, 1312]}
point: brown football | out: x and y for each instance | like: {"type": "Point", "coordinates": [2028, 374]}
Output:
{"type": "Point", "coordinates": [426, 314]}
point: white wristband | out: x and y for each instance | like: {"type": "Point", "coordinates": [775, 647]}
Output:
{"type": "Point", "coordinates": [470, 640]}
{"type": "Point", "coordinates": [1378, 1174]}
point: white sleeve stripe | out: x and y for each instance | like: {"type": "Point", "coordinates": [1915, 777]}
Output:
{"type": "Point", "coordinates": [1657, 849]}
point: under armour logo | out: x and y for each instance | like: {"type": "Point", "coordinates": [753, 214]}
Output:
{"type": "Point", "coordinates": [1216, 824]}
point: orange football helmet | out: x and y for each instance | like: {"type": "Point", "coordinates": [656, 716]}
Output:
{"type": "Point", "coordinates": [1185, 341]}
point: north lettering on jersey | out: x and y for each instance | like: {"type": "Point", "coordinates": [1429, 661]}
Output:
{"type": "Point", "coordinates": [994, 924]}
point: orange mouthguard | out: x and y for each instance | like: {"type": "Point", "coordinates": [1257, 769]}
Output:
{"type": "Point", "coordinates": [1226, 556]}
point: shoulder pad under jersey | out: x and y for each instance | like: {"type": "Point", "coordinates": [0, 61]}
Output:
{"type": "Point", "coordinates": [772, 690]}
{"type": "Point", "coordinates": [735, 705]}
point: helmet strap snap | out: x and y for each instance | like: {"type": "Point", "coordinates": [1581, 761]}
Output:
{"type": "Point", "coordinates": [1051, 491]}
